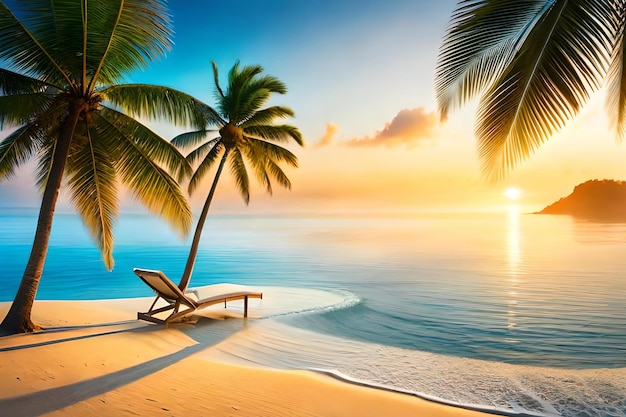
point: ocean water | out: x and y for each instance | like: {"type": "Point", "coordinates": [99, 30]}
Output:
{"type": "Point", "coordinates": [512, 312]}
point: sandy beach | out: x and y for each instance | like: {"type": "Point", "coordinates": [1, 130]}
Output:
{"type": "Point", "coordinates": [95, 358]}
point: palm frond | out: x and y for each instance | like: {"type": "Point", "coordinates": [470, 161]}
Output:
{"type": "Point", "coordinates": [44, 162]}
{"type": "Point", "coordinates": [258, 161]}
{"type": "Point", "coordinates": [273, 152]}
{"type": "Point", "coordinates": [475, 78]}
{"type": "Point", "coordinates": [267, 116]}
{"type": "Point", "coordinates": [480, 42]}
{"type": "Point", "coordinates": [250, 100]}
{"type": "Point", "coordinates": [18, 109]}
{"type": "Point", "coordinates": [201, 151]}
{"type": "Point", "coordinates": [278, 133]}
{"type": "Point", "coordinates": [616, 77]}
{"type": "Point", "coordinates": [96, 41]}
{"type": "Point", "coordinates": [151, 144]}
{"type": "Point", "coordinates": [209, 153]}
{"type": "Point", "coordinates": [93, 188]}
{"type": "Point", "coordinates": [238, 79]}
{"type": "Point", "coordinates": [240, 173]}
{"type": "Point", "coordinates": [49, 142]}
{"type": "Point", "coordinates": [264, 158]}
{"type": "Point", "coordinates": [59, 26]}
{"type": "Point", "coordinates": [211, 116]}
{"type": "Point", "coordinates": [547, 82]}
{"type": "Point", "coordinates": [14, 83]}
{"type": "Point", "coordinates": [256, 92]}
{"type": "Point", "coordinates": [23, 49]}
{"type": "Point", "coordinates": [17, 148]}
{"type": "Point", "coordinates": [216, 81]}
{"type": "Point", "coordinates": [186, 140]}
{"type": "Point", "coordinates": [41, 131]}
{"type": "Point", "coordinates": [278, 174]}
{"type": "Point", "coordinates": [156, 102]}
{"type": "Point", "coordinates": [138, 170]}
{"type": "Point", "coordinates": [140, 33]}
{"type": "Point", "coordinates": [266, 82]}
{"type": "Point", "coordinates": [247, 143]}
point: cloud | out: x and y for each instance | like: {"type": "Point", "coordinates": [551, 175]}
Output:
{"type": "Point", "coordinates": [329, 135]}
{"type": "Point", "coordinates": [409, 127]}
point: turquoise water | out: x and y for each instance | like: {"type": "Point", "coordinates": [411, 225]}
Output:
{"type": "Point", "coordinates": [536, 302]}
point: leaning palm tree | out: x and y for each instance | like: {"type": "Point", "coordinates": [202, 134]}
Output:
{"type": "Point", "coordinates": [245, 134]}
{"type": "Point", "coordinates": [534, 64]}
{"type": "Point", "coordinates": [61, 62]}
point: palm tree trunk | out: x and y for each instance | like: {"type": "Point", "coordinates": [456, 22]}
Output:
{"type": "Point", "coordinates": [18, 318]}
{"type": "Point", "coordinates": [193, 252]}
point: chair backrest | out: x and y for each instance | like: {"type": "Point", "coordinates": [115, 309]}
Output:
{"type": "Point", "coordinates": [162, 285]}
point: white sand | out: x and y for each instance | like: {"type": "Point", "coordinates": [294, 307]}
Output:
{"type": "Point", "coordinates": [97, 359]}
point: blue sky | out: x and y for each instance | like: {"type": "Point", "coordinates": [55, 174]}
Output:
{"type": "Point", "coordinates": [338, 58]}
{"type": "Point", "coordinates": [360, 80]}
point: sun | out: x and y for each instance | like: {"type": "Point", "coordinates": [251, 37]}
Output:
{"type": "Point", "coordinates": [513, 193]}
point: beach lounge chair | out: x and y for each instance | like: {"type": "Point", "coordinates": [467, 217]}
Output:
{"type": "Point", "coordinates": [180, 303]}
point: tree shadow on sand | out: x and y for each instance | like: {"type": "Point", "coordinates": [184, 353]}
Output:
{"type": "Point", "coordinates": [206, 332]}
{"type": "Point", "coordinates": [123, 326]}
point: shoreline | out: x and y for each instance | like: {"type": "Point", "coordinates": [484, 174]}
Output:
{"type": "Point", "coordinates": [69, 369]}
{"type": "Point", "coordinates": [483, 410]}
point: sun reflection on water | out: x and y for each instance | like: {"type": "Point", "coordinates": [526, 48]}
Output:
{"type": "Point", "coordinates": [514, 259]}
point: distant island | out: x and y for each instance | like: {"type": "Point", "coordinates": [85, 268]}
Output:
{"type": "Point", "coordinates": [603, 200]}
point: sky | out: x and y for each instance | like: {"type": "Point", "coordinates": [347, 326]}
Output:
{"type": "Point", "coordinates": [360, 79]}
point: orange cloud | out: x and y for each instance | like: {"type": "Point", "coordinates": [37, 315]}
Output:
{"type": "Point", "coordinates": [409, 127]}
{"type": "Point", "coordinates": [329, 135]}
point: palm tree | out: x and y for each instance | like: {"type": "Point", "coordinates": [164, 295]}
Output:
{"type": "Point", "coordinates": [246, 134]}
{"type": "Point", "coordinates": [534, 64]}
{"type": "Point", "coordinates": [61, 64]}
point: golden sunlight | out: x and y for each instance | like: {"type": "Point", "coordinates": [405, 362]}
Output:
{"type": "Point", "coordinates": [513, 193]}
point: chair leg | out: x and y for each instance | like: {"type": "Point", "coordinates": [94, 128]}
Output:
{"type": "Point", "coordinates": [245, 306]}
{"type": "Point", "coordinates": [154, 302]}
